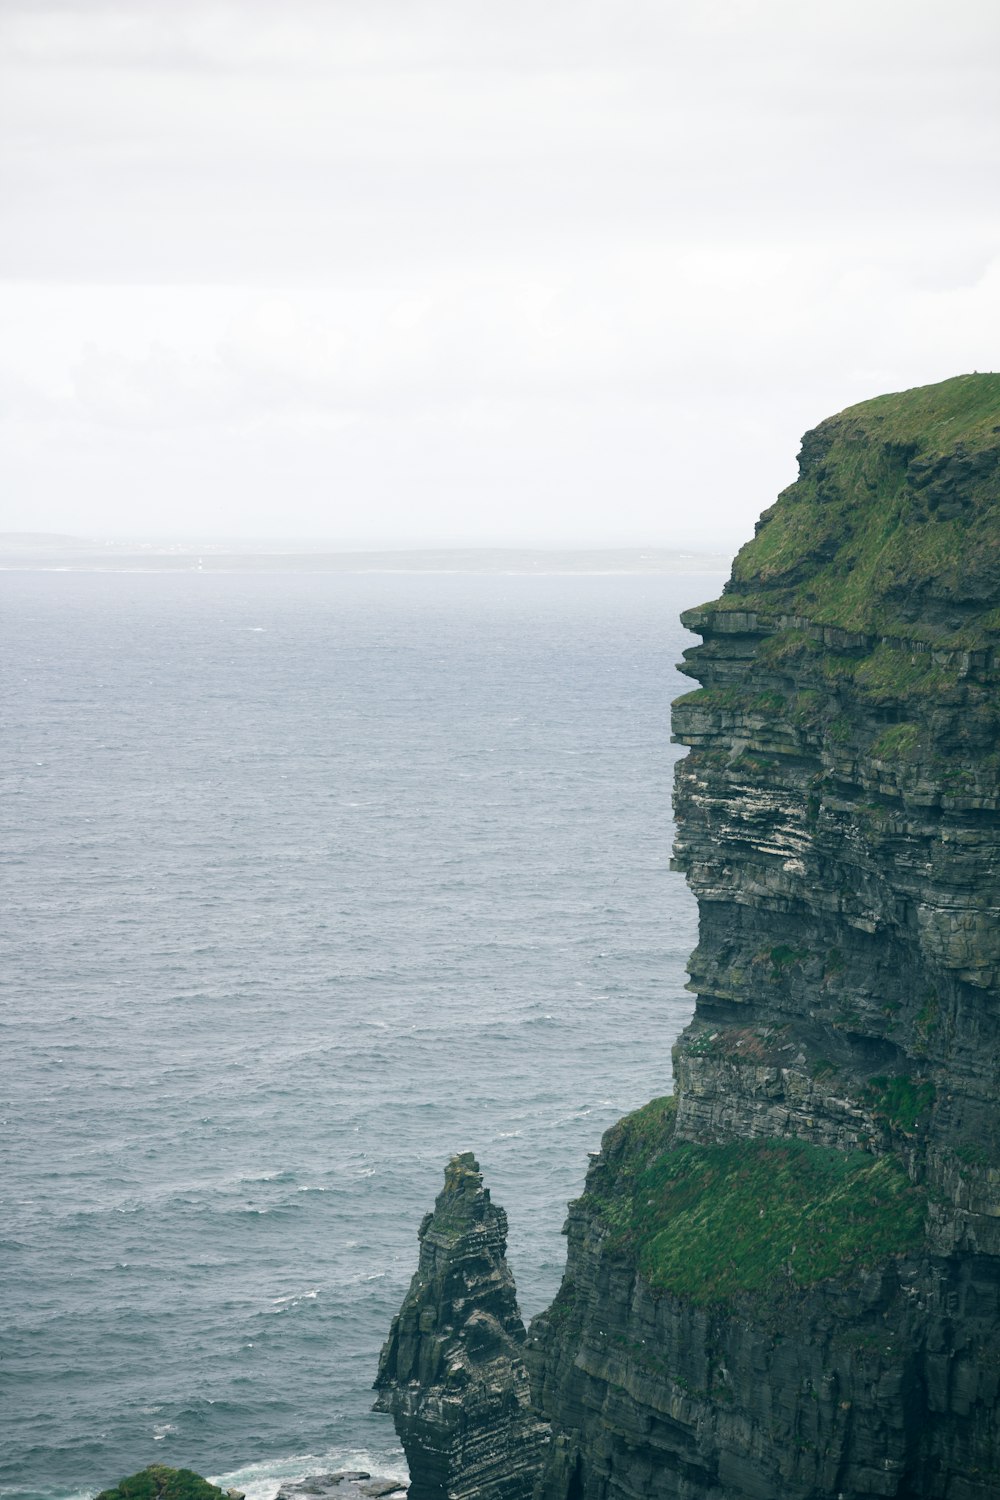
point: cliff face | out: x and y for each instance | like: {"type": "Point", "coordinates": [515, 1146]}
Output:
{"type": "Point", "coordinates": [785, 1280]}
{"type": "Point", "coordinates": [452, 1372]}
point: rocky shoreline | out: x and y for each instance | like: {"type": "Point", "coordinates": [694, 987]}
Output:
{"type": "Point", "coordinates": [342, 1483]}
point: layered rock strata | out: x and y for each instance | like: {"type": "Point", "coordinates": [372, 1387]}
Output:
{"type": "Point", "coordinates": [452, 1371]}
{"type": "Point", "coordinates": [785, 1280]}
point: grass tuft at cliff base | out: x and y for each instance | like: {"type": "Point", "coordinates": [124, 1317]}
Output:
{"type": "Point", "coordinates": [159, 1482]}
{"type": "Point", "coordinates": [711, 1223]}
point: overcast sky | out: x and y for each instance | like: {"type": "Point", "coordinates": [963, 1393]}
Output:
{"type": "Point", "coordinates": [441, 271]}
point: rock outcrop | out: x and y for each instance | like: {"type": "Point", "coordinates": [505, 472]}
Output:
{"type": "Point", "coordinates": [343, 1484]}
{"type": "Point", "coordinates": [159, 1482]}
{"type": "Point", "coordinates": [784, 1281]}
{"type": "Point", "coordinates": [452, 1371]}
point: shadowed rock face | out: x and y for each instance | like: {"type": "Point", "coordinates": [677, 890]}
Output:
{"type": "Point", "coordinates": [785, 1280]}
{"type": "Point", "coordinates": [452, 1371]}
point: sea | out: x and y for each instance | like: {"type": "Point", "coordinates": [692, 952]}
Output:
{"type": "Point", "coordinates": [311, 881]}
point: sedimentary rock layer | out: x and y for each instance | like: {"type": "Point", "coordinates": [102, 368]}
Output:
{"type": "Point", "coordinates": [452, 1371]}
{"type": "Point", "coordinates": [785, 1280]}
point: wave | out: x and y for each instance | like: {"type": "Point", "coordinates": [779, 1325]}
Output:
{"type": "Point", "coordinates": [292, 1299]}
{"type": "Point", "coordinates": [272, 1211]}
{"type": "Point", "coordinates": [253, 970]}
{"type": "Point", "coordinates": [261, 1481]}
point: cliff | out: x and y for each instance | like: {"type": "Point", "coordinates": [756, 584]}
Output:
{"type": "Point", "coordinates": [784, 1280]}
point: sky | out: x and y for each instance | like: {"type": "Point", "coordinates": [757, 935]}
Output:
{"type": "Point", "coordinates": [442, 272]}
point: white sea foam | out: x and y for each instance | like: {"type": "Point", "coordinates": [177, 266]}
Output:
{"type": "Point", "coordinates": [261, 1481]}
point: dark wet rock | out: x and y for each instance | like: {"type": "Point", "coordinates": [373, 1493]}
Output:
{"type": "Point", "coordinates": [838, 818]}
{"type": "Point", "coordinates": [783, 1281]}
{"type": "Point", "coordinates": [452, 1371]}
{"type": "Point", "coordinates": [320, 1484]}
{"type": "Point", "coordinates": [341, 1485]}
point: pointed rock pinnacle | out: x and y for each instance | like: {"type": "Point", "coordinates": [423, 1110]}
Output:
{"type": "Point", "coordinates": [452, 1371]}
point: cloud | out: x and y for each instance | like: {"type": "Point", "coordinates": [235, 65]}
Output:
{"type": "Point", "coordinates": [527, 263]}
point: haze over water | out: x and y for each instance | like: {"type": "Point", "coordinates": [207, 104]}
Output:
{"type": "Point", "coordinates": [313, 880]}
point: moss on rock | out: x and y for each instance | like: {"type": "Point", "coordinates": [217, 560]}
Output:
{"type": "Point", "coordinates": [159, 1482]}
{"type": "Point", "coordinates": [713, 1223]}
{"type": "Point", "coordinates": [893, 525]}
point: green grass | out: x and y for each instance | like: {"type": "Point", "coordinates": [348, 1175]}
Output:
{"type": "Point", "coordinates": [645, 1130]}
{"type": "Point", "coordinates": [903, 1103]}
{"type": "Point", "coordinates": [751, 1218]}
{"type": "Point", "coordinates": [891, 534]}
{"type": "Point", "coordinates": [861, 532]}
{"type": "Point", "coordinates": [897, 742]}
{"type": "Point", "coordinates": [768, 702]}
{"type": "Point", "coordinates": [791, 645]}
{"type": "Point", "coordinates": [783, 957]}
{"type": "Point", "coordinates": [936, 417]}
{"type": "Point", "coordinates": [926, 1022]}
{"type": "Point", "coordinates": [891, 675]}
{"type": "Point", "coordinates": [973, 1155]}
{"type": "Point", "coordinates": [160, 1483]}
{"type": "Point", "coordinates": [711, 1223]}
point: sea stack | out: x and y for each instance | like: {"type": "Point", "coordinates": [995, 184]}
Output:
{"type": "Point", "coordinates": [452, 1371]}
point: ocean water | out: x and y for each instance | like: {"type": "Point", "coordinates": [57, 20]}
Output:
{"type": "Point", "coordinates": [311, 881]}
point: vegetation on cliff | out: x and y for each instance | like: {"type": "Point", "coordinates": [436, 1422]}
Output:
{"type": "Point", "coordinates": [785, 1279]}
{"type": "Point", "coordinates": [714, 1222]}
{"type": "Point", "coordinates": [159, 1482]}
{"type": "Point", "coordinates": [893, 526]}
{"type": "Point", "coordinates": [872, 593]}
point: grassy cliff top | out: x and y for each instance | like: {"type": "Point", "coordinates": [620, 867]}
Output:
{"type": "Point", "coordinates": [893, 526]}
{"type": "Point", "coordinates": [965, 409]}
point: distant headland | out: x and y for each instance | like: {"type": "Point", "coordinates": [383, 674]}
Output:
{"type": "Point", "coordinates": [51, 551]}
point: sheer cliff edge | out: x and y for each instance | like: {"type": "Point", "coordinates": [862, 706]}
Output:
{"type": "Point", "coordinates": [783, 1282]}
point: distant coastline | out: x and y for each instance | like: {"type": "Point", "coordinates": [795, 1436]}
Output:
{"type": "Point", "coordinates": [34, 552]}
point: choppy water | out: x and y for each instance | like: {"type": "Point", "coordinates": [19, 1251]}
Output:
{"type": "Point", "coordinates": [311, 881]}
